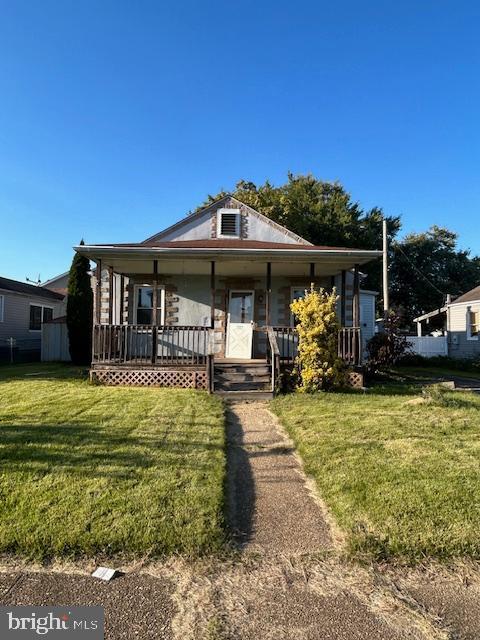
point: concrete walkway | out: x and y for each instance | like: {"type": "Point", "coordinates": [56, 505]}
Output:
{"type": "Point", "coordinates": [270, 508]}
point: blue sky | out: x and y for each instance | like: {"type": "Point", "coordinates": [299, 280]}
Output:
{"type": "Point", "coordinates": [117, 117]}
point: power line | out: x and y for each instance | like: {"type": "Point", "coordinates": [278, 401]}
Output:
{"type": "Point", "coordinates": [397, 246]}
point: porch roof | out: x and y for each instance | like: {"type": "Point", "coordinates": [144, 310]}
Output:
{"type": "Point", "coordinates": [337, 258]}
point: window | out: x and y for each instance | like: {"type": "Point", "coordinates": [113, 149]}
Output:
{"type": "Point", "coordinates": [39, 314]}
{"type": "Point", "coordinates": [473, 324]}
{"type": "Point", "coordinates": [144, 304]}
{"type": "Point", "coordinates": [296, 294]}
{"type": "Point", "coordinates": [2, 308]}
{"type": "Point", "coordinates": [228, 223]}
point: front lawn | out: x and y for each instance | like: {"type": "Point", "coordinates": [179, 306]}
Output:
{"type": "Point", "coordinates": [401, 475]}
{"type": "Point", "coordinates": [90, 470]}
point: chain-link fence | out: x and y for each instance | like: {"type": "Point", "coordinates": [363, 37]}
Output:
{"type": "Point", "coordinates": [16, 350]}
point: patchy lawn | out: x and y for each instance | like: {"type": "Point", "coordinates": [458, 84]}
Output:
{"type": "Point", "coordinates": [91, 470]}
{"type": "Point", "coordinates": [401, 478]}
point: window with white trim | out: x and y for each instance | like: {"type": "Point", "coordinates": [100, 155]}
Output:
{"type": "Point", "coordinates": [2, 308]}
{"type": "Point", "coordinates": [38, 315]}
{"type": "Point", "coordinates": [473, 324]}
{"type": "Point", "coordinates": [144, 304]}
{"type": "Point", "coordinates": [228, 223]}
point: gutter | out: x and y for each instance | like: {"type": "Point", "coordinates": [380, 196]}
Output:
{"type": "Point", "coordinates": [109, 249]}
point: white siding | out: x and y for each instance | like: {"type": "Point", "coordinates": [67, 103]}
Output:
{"type": "Point", "coordinates": [259, 229]}
{"type": "Point", "coordinates": [459, 345]}
{"type": "Point", "coordinates": [16, 316]}
{"type": "Point", "coordinates": [197, 229]}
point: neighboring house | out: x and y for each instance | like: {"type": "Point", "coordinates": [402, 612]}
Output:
{"type": "Point", "coordinates": [208, 299]}
{"type": "Point", "coordinates": [461, 320]}
{"type": "Point", "coordinates": [23, 309]}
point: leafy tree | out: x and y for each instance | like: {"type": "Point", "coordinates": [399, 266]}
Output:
{"type": "Point", "coordinates": [80, 310]}
{"type": "Point", "coordinates": [426, 266]}
{"type": "Point", "coordinates": [321, 212]}
{"type": "Point", "coordinates": [319, 364]}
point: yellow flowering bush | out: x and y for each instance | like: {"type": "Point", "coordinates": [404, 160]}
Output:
{"type": "Point", "coordinates": [317, 326]}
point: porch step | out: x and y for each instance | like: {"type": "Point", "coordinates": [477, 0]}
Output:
{"type": "Point", "coordinates": [251, 385]}
{"type": "Point", "coordinates": [245, 396]}
{"type": "Point", "coordinates": [242, 377]}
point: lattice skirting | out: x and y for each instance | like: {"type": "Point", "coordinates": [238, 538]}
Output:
{"type": "Point", "coordinates": [355, 379]}
{"type": "Point", "coordinates": [151, 378]}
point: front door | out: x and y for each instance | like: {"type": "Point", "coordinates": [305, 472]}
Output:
{"type": "Point", "coordinates": [240, 325]}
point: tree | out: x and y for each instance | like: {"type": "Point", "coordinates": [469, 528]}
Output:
{"type": "Point", "coordinates": [317, 327]}
{"type": "Point", "coordinates": [80, 310]}
{"type": "Point", "coordinates": [425, 267]}
{"type": "Point", "coordinates": [321, 212]}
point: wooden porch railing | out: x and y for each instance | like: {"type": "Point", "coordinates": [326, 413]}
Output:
{"type": "Point", "coordinates": [349, 344]}
{"type": "Point", "coordinates": [146, 345]}
{"type": "Point", "coordinates": [273, 356]}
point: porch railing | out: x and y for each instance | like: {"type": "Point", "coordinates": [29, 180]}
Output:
{"type": "Point", "coordinates": [349, 344]}
{"type": "Point", "coordinates": [146, 345]}
{"type": "Point", "coordinates": [273, 357]}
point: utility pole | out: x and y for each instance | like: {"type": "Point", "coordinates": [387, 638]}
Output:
{"type": "Point", "coordinates": [385, 270]}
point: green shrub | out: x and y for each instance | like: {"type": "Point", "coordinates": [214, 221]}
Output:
{"type": "Point", "coordinates": [317, 359]}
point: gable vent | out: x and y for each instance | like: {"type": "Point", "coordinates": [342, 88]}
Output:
{"type": "Point", "coordinates": [229, 223]}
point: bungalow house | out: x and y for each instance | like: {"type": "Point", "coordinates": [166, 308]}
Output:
{"type": "Point", "coordinates": [206, 302]}
{"type": "Point", "coordinates": [23, 309]}
{"type": "Point", "coordinates": [461, 324]}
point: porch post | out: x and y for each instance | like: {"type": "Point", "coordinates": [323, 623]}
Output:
{"type": "Point", "coordinates": [121, 301]}
{"type": "Point", "coordinates": [155, 293]}
{"type": "Point", "coordinates": [268, 291]}
{"type": "Point", "coordinates": [212, 294]}
{"type": "Point", "coordinates": [343, 299]}
{"type": "Point", "coordinates": [154, 311]}
{"type": "Point", "coordinates": [110, 295]}
{"type": "Point", "coordinates": [312, 272]}
{"type": "Point", "coordinates": [98, 292]}
{"type": "Point", "coordinates": [356, 297]}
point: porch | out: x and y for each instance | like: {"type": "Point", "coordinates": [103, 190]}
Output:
{"type": "Point", "coordinates": [175, 315]}
{"type": "Point", "coordinates": [183, 356]}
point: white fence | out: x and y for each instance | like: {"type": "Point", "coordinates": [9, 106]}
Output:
{"type": "Point", "coordinates": [55, 342]}
{"type": "Point", "coordinates": [428, 346]}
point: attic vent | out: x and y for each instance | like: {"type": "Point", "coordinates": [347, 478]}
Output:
{"type": "Point", "coordinates": [228, 223]}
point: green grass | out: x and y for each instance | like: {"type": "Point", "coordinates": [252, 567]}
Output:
{"type": "Point", "coordinates": [88, 470]}
{"type": "Point", "coordinates": [401, 479]}
{"type": "Point", "coordinates": [428, 372]}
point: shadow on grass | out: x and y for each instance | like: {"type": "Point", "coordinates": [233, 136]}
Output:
{"type": "Point", "coordinates": [42, 371]}
{"type": "Point", "coordinates": [90, 451]}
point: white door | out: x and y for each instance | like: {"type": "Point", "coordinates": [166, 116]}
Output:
{"type": "Point", "coordinates": [240, 325]}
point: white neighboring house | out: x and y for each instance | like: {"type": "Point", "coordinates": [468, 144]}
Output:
{"type": "Point", "coordinates": [462, 325]}
{"type": "Point", "coordinates": [23, 310]}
